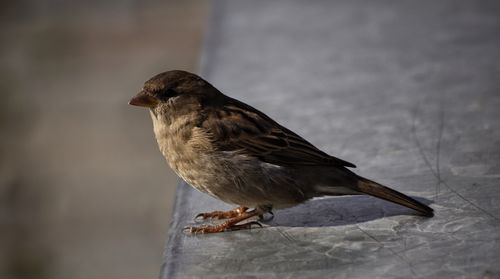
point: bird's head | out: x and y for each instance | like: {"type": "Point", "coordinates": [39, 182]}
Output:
{"type": "Point", "coordinates": [174, 89]}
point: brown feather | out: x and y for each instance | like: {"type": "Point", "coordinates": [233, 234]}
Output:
{"type": "Point", "coordinates": [255, 134]}
{"type": "Point", "coordinates": [375, 189]}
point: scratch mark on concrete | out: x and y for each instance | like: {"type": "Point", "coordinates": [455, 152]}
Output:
{"type": "Point", "coordinates": [401, 257]}
{"type": "Point", "coordinates": [438, 145]}
{"type": "Point", "coordinates": [285, 235]}
{"type": "Point", "coordinates": [436, 172]}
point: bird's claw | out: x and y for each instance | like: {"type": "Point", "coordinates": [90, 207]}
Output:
{"type": "Point", "coordinates": [194, 230]}
{"type": "Point", "coordinates": [200, 217]}
{"type": "Point", "coordinates": [263, 219]}
{"type": "Point", "coordinates": [246, 226]}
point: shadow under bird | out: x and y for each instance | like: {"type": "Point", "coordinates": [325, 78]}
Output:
{"type": "Point", "coordinates": [233, 152]}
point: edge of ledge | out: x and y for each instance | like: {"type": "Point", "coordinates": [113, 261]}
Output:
{"type": "Point", "coordinates": [205, 66]}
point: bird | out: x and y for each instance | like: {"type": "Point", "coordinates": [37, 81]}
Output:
{"type": "Point", "coordinates": [239, 155]}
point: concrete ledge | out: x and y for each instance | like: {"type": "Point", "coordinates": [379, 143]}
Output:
{"type": "Point", "coordinates": [408, 91]}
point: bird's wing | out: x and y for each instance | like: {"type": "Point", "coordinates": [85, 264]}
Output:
{"type": "Point", "coordinates": [241, 127]}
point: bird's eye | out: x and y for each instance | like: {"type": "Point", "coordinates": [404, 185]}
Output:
{"type": "Point", "coordinates": [166, 93]}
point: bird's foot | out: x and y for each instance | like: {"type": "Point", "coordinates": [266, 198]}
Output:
{"type": "Point", "coordinates": [222, 214]}
{"type": "Point", "coordinates": [220, 228]}
{"type": "Point", "coordinates": [230, 225]}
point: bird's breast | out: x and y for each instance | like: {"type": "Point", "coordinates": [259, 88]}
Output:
{"type": "Point", "coordinates": [185, 147]}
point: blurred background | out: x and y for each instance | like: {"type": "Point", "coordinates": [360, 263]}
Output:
{"type": "Point", "coordinates": [84, 192]}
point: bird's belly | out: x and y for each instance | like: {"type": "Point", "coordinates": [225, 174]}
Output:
{"type": "Point", "coordinates": [239, 179]}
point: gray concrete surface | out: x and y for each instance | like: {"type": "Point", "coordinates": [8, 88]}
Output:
{"type": "Point", "coordinates": [407, 90]}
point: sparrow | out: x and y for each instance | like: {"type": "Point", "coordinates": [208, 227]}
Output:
{"type": "Point", "coordinates": [237, 154]}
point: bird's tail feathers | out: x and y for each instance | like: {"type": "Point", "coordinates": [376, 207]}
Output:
{"type": "Point", "coordinates": [375, 189]}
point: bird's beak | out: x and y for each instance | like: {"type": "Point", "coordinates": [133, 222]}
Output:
{"type": "Point", "coordinates": [143, 100]}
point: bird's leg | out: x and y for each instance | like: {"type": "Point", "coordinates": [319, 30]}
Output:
{"type": "Point", "coordinates": [229, 225]}
{"type": "Point", "coordinates": [222, 214]}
